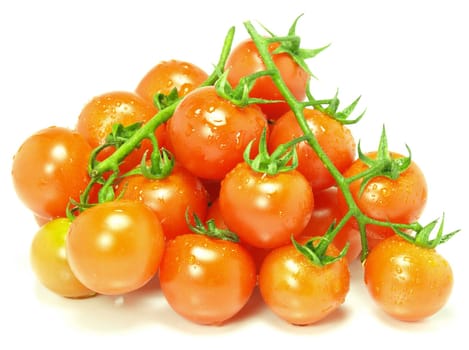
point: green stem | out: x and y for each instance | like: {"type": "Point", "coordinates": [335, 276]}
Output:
{"type": "Point", "coordinates": [142, 133]}
{"type": "Point", "coordinates": [297, 109]}
{"type": "Point", "coordinates": [329, 236]}
{"type": "Point", "coordinates": [162, 116]}
{"type": "Point", "coordinates": [283, 148]}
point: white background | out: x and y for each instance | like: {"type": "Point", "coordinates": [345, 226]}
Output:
{"type": "Point", "coordinates": [408, 60]}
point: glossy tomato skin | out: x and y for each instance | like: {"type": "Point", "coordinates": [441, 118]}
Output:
{"type": "Point", "coordinates": [245, 60]}
{"type": "Point", "coordinates": [49, 260]}
{"type": "Point", "coordinates": [206, 281]}
{"type": "Point", "coordinates": [98, 116]}
{"type": "Point", "coordinates": [115, 247]}
{"type": "Point", "coordinates": [325, 213]}
{"type": "Point", "coordinates": [408, 282]}
{"type": "Point", "coordinates": [400, 201]}
{"type": "Point", "coordinates": [209, 134]}
{"type": "Point", "coordinates": [300, 292]}
{"type": "Point", "coordinates": [169, 198]}
{"type": "Point", "coordinates": [167, 75]}
{"type": "Point", "coordinates": [334, 138]}
{"type": "Point", "coordinates": [214, 213]}
{"type": "Point", "coordinates": [50, 168]}
{"type": "Point", "coordinates": [265, 211]}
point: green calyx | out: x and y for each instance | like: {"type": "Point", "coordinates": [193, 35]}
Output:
{"type": "Point", "coordinates": [239, 95]}
{"type": "Point", "coordinates": [159, 165]}
{"type": "Point", "coordinates": [210, 229]}
{"type": "Point", "coordinates": [315, 249]}
{"type": "Point", "coordinates": [290, 44]}
{"type": "Point", "coordinates": [161, 101]}
{"type": "Point", "coordinates": [283, 159]}
{"type": "Point", "coordinates": [331, 108]}
{"type": "Point", "coordinates": [422, 234]}
{"type": "Point", "coordinates": [383, 165]}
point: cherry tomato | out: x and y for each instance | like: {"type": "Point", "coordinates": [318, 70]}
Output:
{"type": "Point", "coordinates": [98, 116]}
{"type": "Point", "coordinates": [206, 280]}
{"type": "Point", "coordinates": [169, 198]}
{"type": "Point", "coordinates": [265, 211]}
{"type": "Point", "coordinates": [167, 75]}
{"type": "Point", "coordinates": [258, 254]}
{"type": "Point", "coordinates": [49, 260]}
{"type": "Point", "coordinates": [245, 60]}
{"type": "Point", "coordinates": [325, 213]}
{"type": "Point", "coordinates": [208, 134]}
{"type": "Point", "coordinates": [49, 169]}
{"type": "Point", "coordinates": [334, 138]}
{"type": "Point", "coordinates": [299, 291]}
{"type": "Point", "coordinates": [408, 282]}
{"type": "Point", "coordinates": [115, 247]}
{"type": "Point", "coordinates": [400, 201]}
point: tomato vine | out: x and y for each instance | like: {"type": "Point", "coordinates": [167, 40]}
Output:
{"type": "Point", "coordinates": [126, 139]}
{"type": "Point", "coordinates": [378, 168]}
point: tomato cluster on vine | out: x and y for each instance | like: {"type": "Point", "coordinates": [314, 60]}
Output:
{"type": "Point", "coordinates": [219, 184]}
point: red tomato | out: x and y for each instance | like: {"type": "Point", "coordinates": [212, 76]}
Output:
{"type": "Point", "coordinates": [265, 211]}
{"type": "Point", "coordinates": [258, 254]}
{"type": "Point", "coordinates": [334, 138]}
{"type": "Point", "coordinates": [49, 169]}
{"type": "Point", "coordinates": [167, 75]}
{"type": "Point", "coordinates": [49, 260]}
{"type": "Point", "coordinates": [115, 247]}
{"type": "Point", "coordinates": [208, 134]}
{"type": "Point", "coordinates": [245, 60]}
{"type": "Point", "coordinates": [169, 198]}
{"type": "Point", "coordinates": [206, 280]}
{"type": "Point", "coordinates": [325, 212]}
{"type": "Point", "coordinates": [408, 282]}
{"type": "Point", "coordinates": [400, 201]}
{"type": "Point", "coordinates": [299, 291]}
{"type": "Point", "coordinates": [98, 116]}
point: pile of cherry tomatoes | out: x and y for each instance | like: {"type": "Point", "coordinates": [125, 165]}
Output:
{"type": "Point", "coordinates": [211, 186]}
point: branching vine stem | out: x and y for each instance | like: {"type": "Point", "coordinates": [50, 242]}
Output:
{"type": "Point", "coordinates": [105, 172]}
{"type": "Point", "coordinates": [297, 108]}
{"type": "Point", "coordinates": [112, 162]}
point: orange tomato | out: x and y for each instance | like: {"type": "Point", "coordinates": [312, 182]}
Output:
{"type": "Point", "coordinates": [206, 280]}
{"type": "Point", "coordinates": [98, 116]}
{"type": "Point", "coordinates": [299, 291]}
{"type": "Point", "coordinates": [408, 282]}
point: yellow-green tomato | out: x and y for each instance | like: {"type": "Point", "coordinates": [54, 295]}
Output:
{"type": "Point", "coordinates": [49, 260]}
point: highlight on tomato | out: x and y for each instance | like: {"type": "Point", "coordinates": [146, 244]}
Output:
{"type": "Point", "coordinates": [207, 277]}
{"type": "Point", "coordinates": [49, 260]}
{"type": "Point", "coordinates": [49, 169]}
{"type": "Point", "coordinates": [115, 247]}
{"type": "Point", "coordinates": [302, 285]}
